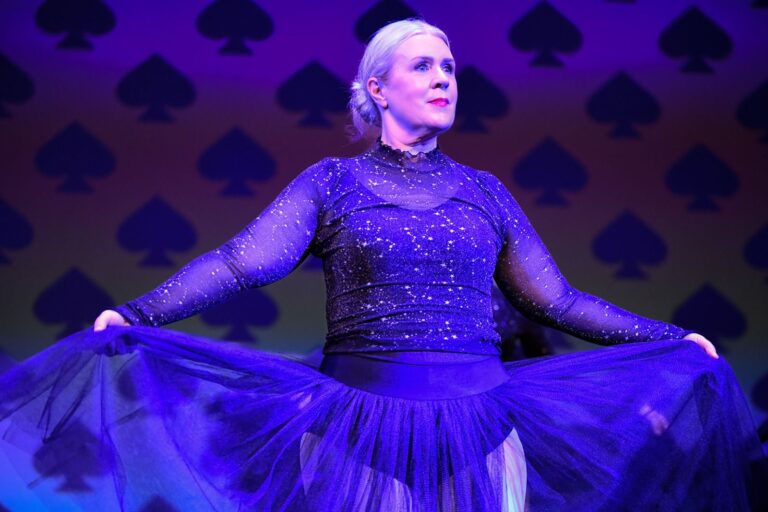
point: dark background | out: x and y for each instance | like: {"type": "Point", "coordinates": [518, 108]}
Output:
{"type": "Point", "coordinates": [634, 135]}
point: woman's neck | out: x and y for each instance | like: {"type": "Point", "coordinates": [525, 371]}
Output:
{"type": "Point", "coordinates": [410, 143]}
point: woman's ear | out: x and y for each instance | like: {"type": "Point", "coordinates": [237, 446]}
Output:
{"type": "Point", "coordinates": [374, 89]}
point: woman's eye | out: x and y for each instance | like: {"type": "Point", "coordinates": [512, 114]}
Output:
{"type": "Point", "coordinates": [448, 68]}
{"type": "Point", "coordinates": [423, 66]}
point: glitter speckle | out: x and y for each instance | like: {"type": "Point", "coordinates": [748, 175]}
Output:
{"type": "Point", "coordinates": [385, 290]}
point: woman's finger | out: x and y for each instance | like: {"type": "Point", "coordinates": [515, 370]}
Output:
{"type": "Point", "coordinates": [708, 348]}
{"type": "Point", "coordinates": [100, 324]}
{"type": "Point", "coordinates": [107, 318]}
{"type": "Point", "coordinates": [704, 343]}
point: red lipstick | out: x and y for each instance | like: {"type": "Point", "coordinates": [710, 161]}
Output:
{"type": "Point", "coordinates": [440, 102]}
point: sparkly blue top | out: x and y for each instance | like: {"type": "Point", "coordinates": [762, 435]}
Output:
{"type": "Point", "coordinates": [410, 246]}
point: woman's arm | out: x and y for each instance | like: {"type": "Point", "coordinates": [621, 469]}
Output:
{"type": "Point", "coordinates": [267, 250]}
{"type": "Point", "coordinates": [529, 278]}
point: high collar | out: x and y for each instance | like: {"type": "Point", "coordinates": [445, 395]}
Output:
{"type": "Point", "coordinates": [400, 158]}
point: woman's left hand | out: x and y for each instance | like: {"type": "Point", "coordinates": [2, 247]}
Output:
{"type": "Point", "coordinates": [703, 343]}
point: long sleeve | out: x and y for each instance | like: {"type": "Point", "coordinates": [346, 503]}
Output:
{"type": "Point", "coordinates": [527, 275]}
{"type": "Point", "coordinates": [267, 250]}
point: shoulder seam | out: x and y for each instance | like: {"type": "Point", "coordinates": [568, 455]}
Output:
{"type": "Point", "coordinates": [332, 166]}
{"type": "Point", "coordinates": [482, 176]}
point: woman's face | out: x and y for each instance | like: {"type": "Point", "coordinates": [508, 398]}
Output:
{"type": "Point", "coordinates": [420, 88]}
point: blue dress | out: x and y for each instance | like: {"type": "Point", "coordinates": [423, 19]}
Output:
{"type": "Point", "coordinates": [412, 408]}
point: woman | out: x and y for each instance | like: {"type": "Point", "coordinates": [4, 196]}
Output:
{"type": "Point", "coordinates": [412, 408]}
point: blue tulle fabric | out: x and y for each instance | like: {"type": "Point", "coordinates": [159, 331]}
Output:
{"type": "Point", "coordinates": [142, 418]}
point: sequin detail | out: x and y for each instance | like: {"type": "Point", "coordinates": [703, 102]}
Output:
{"type": "Point", "coordinates": [410, 246]}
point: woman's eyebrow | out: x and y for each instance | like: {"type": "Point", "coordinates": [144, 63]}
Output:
{"type": "Point", "coordinates": [430, 59]}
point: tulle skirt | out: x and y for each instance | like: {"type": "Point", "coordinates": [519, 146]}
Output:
{"type": "Point", "coordinates": [141, 418]}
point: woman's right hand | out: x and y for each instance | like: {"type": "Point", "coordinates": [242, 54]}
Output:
{"type": "Point", "coordinates": [109, 317]}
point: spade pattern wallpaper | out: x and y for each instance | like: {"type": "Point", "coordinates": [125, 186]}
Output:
{"type": "Point", "coordinates": [633, 133]}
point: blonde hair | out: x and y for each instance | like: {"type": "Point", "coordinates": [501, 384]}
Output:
{"type": "Point", "coordinates": [376, 62]}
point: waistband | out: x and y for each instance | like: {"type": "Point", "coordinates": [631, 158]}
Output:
{"type": "Point", "coordinates": [416, 380]}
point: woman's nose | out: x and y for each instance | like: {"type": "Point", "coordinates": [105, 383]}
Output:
{"type": "Point", "coordinates": [441, 80]}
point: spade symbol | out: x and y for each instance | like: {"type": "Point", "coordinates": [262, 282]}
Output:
{"type": "Point", "coordinates": [75, 154]}
{"type": "Point", "coordinates": [623, 102]}
{"type": "Point", "coordinates": [15, 85]}
{"type": "Point", "coordinates": [382, 13]}
{"type": "Point", "coordinates": [707, 311]}
{"type": "Point", "coordinates": [157, 228]}
{"type": "Point", "coordinates": [74, 454]}
{"type": "Point", "coordinates": [128, 383]}
{"type": "Point", "coordinates": [326, 94]}
{"type": "Point", "coordinates": [629, 242]}
{"type": "Point", "coordinates": [252, 307]}
{"type": "Point", "coordinates": [15, 231]}
{"type": "Point", "coordinates": [479, 98]}
{"type": "Point", "coordinates": [753, 111]}
{"type": "Point", "coordinates": [236, 158]}
{"type": "Point", "coordinates": [235, 21]}
{"type": "Point", "coordinates": [156, 85]}
{"type": "Point", "coordinates": [136, 381]}
{"type": "Point", "coordinates": [76, 18]}
{"type": "Point", "coordinates": [699, 173]}
{"type": "Point", "coordinates": [551, 169]}
{"type": "Point", "coordinates": [695, 37]}
{"type": "Point", "coordinates": [545, 31]}
{"type": "Point", "coordinates": [73, 300]}
{"type": "Point", "coordinates": [756, 250]}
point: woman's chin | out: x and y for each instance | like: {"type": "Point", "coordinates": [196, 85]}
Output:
{"type": "Point", "coordinates": [440, 127]}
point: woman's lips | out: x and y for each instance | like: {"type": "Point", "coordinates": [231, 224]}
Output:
{"type": "Point", "coordinates": [440, 102]}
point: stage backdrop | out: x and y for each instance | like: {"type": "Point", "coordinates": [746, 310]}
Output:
{"type": "Point", "coordinates": [138, 134]}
